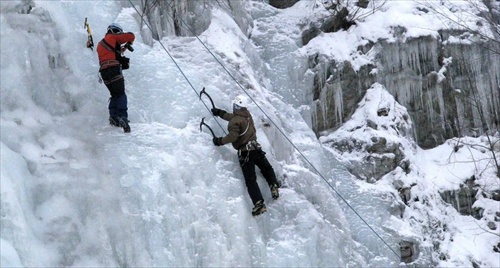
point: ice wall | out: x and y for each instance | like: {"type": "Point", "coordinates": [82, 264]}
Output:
{"type": "Point", "coordinates": [445, 85]}
{"type": "Point", "coordinates": [77, 192]}
{"type": "Point", "coordinates": [183, 17]}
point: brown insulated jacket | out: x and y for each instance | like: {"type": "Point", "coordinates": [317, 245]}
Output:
{"type": "Point", "coordinates": [241, 129]}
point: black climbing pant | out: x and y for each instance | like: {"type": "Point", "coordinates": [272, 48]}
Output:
{"type": "Point", "coordinates": [248, 160]}
{"type": "Point", "coordinates": [115, 83]}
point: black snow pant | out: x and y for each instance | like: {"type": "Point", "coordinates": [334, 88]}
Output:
{"type": "Point", "coordinates": [248, 160]}
{"type": "Point", "coordinates": [113, 79]}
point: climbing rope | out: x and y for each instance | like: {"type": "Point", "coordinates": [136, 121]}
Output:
{"type": "Point", "coordinates": [275, 125]}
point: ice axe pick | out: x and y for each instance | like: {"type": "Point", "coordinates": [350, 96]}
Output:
{"type": "Point", "coordinates": [210, 98]}
{"type": "Point", "coordinates": [202, 123]}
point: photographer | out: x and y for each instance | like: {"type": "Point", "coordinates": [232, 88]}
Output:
{"type": "Point", "coordinates": [111, 60]}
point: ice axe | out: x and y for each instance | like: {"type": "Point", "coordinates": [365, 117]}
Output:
{"type": "Point", "coordinates": [202, 123]}
{"type": "Point", "coordinates": [90, 40]}
{"type": "Point", "coordinates": [210, 98]}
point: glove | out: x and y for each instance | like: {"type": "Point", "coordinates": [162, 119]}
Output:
{"type": "Point", "coordinates": [217, 141]}
{"type": "Point", "coordinates": [218, 112]}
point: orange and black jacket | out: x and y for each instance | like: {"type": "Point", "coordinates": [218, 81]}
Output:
{"type": "Point", "coordinates": [107, 50]}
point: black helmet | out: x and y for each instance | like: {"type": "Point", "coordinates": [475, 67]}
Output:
{"type": "Point", "coordinates": [115, 28]}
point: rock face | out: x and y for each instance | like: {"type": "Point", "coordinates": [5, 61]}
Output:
{"type": "Point", "coordinates": [407, 251]}
{"type": "Point", "coordinates": [449, 88]}
{"type": "Point", "coordinates": [373, 140]}
{"type": "Point", "coordinates": [463, 199]}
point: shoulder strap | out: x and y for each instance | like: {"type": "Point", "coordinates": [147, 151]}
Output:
{"type": "Point", "coordinates": [118, 53]}
{"type": "Point", "coordinates": [107, 46]}
{"type": "Point", "coordinates": [248, 125]}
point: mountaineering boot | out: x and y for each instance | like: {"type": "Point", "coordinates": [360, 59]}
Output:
{"type": "Point", "coordinates": [274, 191]}
{"type": "Point", "coordinates": [124, 125]}
{"type": "Point", "coordinates": [259, 208]}
{"type": "Point", "coordinates": [114, 121]}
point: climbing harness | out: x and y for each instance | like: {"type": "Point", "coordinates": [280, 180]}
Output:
{"type": "Point", "coordinates": [90, 40]}
{"type": "Point", "coordinates": [249, 146]}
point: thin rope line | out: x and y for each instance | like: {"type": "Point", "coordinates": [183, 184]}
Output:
{"type": "Point", "coordinates": [177, 65]}
{"type": "Point", "coordinates": [284, 135]}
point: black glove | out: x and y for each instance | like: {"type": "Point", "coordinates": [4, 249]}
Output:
{"type": "Point", "coordinates": [218, 112]}
{"type": "Point", "coordinates": [217, 141]}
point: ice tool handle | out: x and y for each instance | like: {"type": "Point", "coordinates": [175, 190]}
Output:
{"type": "Point", "coordinates": [210, 98]}
{"type": "Point", "coordinates": [202, 123]}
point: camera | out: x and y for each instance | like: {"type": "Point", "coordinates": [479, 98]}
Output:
{"type": "Point", "coordinates": [129, 47]}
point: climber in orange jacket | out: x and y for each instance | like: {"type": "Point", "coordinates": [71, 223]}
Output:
{"type": "Point", "coordinates": [111, 60]}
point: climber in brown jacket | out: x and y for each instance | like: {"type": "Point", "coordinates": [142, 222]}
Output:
{"type": "Point", "coordinates": [243, 136]}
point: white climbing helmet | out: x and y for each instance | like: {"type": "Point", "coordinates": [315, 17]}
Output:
{"type": "Point", "coordinates": [115, 28]}
{"type": "Point", "coordinates": [240, 101]}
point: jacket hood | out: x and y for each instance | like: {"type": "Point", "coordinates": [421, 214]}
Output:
{"type": "Point", "coordinates": [242, 112]}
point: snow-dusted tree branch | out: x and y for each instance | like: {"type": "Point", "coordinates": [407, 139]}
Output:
{"type": "Point", "coordinates": [350, 11]}
{"type": "Point", "coordinates": [480, 18]}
